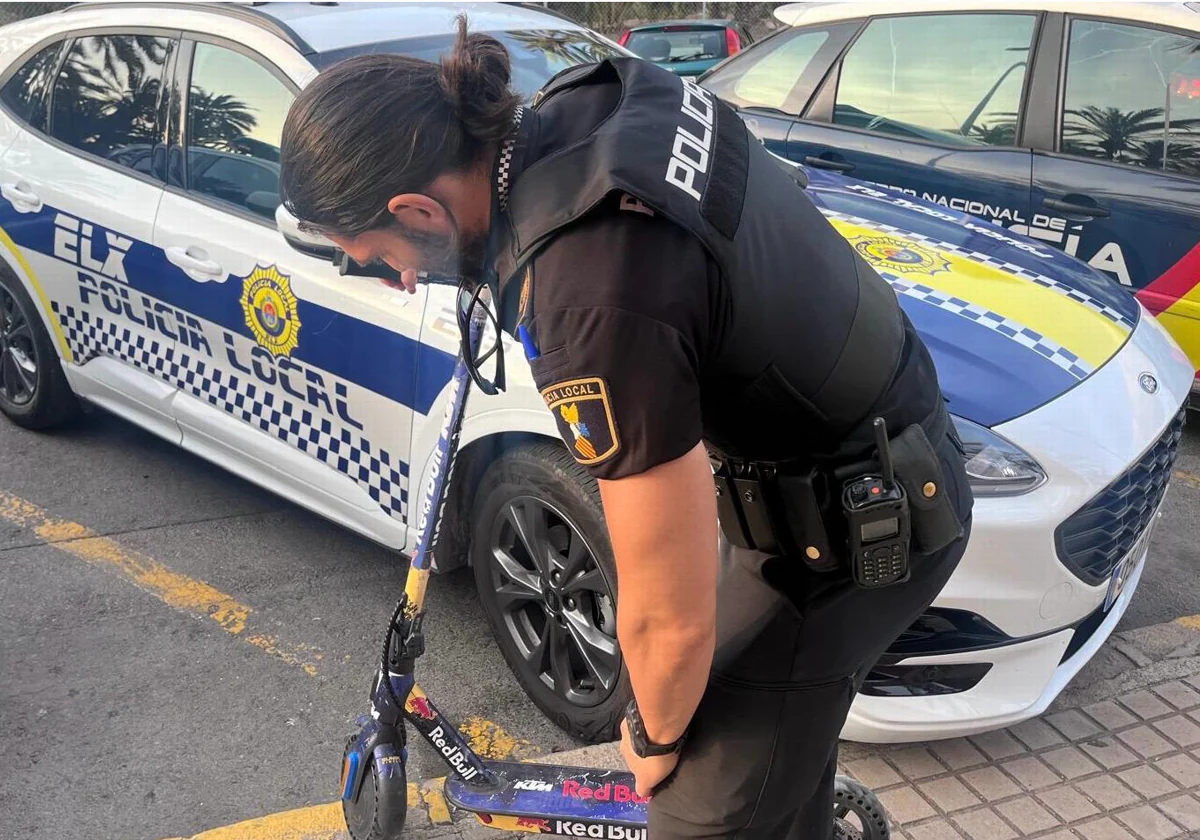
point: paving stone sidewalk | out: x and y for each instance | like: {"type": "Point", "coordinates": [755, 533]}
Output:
{"type": "Point", "coordinates": [1124, 768]}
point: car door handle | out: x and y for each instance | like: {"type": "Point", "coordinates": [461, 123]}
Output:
{"type": "Point", "coordinates": [1074, 209]}
{"type": "Point", "coordinates": [194, 261]}
{"type": "Point", "coordinates": [826, 163]}
{"type": "Point", "coordinates": [21, 197]}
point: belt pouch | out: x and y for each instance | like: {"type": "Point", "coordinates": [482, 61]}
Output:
{"type": "Point", "coordinates": [935, 524]}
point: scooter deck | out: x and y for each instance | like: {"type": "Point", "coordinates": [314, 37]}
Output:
{"type": "Point", "coordinates": [549, 799]}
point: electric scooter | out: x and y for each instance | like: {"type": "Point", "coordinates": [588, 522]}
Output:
{"type": "Point", "coordinates": [531, 798]}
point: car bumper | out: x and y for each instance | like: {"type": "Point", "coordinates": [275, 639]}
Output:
{"type": "Point", "coordinates": [1025, 678]}
{"type": "Point", "coordinates": [1011, 577]}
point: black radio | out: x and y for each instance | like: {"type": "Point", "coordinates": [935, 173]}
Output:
{"type": "Point", "coordinates": [877, 514]}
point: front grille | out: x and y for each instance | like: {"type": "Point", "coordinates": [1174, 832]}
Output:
{"type": "Point", "coordinates": [1092, 541]}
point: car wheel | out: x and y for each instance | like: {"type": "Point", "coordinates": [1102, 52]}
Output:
{"type": "Point", "coordinates": [33, 389]}
{"type": "Point", "coordinates": [546, 578]}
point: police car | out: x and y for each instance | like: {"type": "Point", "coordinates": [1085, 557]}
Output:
{"type": "Point", "coordinates": [1075, 124]}
{"type": "Point", "coordinates": [143, 271]}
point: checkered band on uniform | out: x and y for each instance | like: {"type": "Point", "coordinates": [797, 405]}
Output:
{"type": "Point", "coordinates": [503, 171]}
{"type": "Point", "coordinates": [342, 448]}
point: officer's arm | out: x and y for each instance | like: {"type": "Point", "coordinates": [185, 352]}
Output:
{"type": "Point", "coordinates": [663, 526]}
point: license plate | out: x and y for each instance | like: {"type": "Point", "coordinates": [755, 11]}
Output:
{"type": "Point", "coordinates": [1128, 564]}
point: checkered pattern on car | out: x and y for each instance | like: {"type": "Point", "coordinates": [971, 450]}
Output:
{"type": "Point", "coordinates": [1014, 330]}
{"type": "Point", "coordinates": [343, 449]}
{"type": "Point", "coordinates": [1050, 283]}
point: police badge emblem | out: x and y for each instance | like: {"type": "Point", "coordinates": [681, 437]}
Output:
{"type": "Point", "coordinates": [270, 310]}
{"type": "Point", "coordinates": [585, 418]}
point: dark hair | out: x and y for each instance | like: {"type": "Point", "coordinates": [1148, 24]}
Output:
{"type": "Point", "coordinates": [373, 126]}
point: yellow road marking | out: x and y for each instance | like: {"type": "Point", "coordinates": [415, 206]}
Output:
{"type": "Point", "coordinates": [179, 591]}
{"type": "Point", "coordinates": [1191, 622]}
{"type": "Point", "coordinates": [490, 741]}
{"type": "Point", "coordinates": [1189, 478]}
{"type": "Point", "coordinates": [320, 822]}
{"type": "Point", "coordinates": [323, 822]}
{"type": "Point", "coordinates": [435, 802]}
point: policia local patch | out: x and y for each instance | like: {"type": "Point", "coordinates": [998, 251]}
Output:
{"type": "Point", "coordinates": [585, 418]}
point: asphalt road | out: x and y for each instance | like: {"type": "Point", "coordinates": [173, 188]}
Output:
{"type": "Point", "coordinates": [126, 712]}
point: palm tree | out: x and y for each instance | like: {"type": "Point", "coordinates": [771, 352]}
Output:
{"type": "Point", "coordinates": [112, 87]}
{"type": "Point", "coordinates": [1110, 133]}
{"type": "Point", "coordinates": [218, 121]}
{"type": "Point", "coordinates": [997, 134]}
{"type": "Point", "coordinates": [1182, 154]}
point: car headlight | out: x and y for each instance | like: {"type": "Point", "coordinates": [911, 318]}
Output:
{"type": "Point", "coordinates": [997, 467]}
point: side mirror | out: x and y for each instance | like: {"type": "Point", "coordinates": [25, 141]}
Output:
{"type": "Point", "coordinates": [311, 244]}
{"type": "Point", "coordinates": [315, 245]}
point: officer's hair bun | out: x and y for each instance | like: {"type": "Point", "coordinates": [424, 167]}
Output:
{"type": "Point", "coordinates": [475, 79]}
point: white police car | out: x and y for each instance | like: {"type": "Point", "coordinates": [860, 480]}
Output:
{"type": "Point", "coordinates": [142, 271]}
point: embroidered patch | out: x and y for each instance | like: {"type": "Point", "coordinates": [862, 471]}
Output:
{"type": "Point", "coordinates": [585, 418]}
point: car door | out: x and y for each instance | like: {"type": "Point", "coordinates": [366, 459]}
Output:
{"type": "Point", "coordinates": [930, 104]}
{"type": "Point", "coordinates": [1122, 169]}
{"type": "Point", "coordinates": [299, 378]}
{"type": "Point", "coordinates": [80, 191]}
{"type": "Point", "coordinates": [771, 83]}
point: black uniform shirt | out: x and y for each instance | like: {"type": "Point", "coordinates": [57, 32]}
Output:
{"type": "Point", "coordinates": [622, 312]}
{"type": "Point", "coordinates": [624, 308]}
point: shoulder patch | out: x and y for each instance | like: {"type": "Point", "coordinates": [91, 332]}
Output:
{"type": "Point", "coordinates": [635, 205]}
{"type": "Point", "coordinates": [584, 414]}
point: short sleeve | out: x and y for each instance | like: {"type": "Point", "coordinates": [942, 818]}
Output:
{"type": "Point", "coordinates": [619, 315]}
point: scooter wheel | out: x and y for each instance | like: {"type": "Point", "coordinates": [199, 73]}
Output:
{"type": "Point", "coordinates": [379, 809]}
{"type": "Point", "coordinates": [858, 814]}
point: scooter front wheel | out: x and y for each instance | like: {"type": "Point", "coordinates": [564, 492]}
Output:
{"type": "Point", "coordinates": [378, 809]}
{"type": "Point", "coordinates": [857, 812]}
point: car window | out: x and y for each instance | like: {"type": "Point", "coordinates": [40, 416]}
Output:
{"type": "Point", "coordinates": [537, 54]}
{"type": "Point", "coordinates": [1133, 97]}
{"type": "Point", "coordinates": [106, 96]}
{"type": "Point", "coordinates": [766, 76]}
{"type": "Point", "coordinates": [235, 113]}
{"type": "Point", "coordinates": [949, 79]}
{"type": "Point", "coordinates": [678, 43]}
{"type": "Point", "coordinates": [26, 91]}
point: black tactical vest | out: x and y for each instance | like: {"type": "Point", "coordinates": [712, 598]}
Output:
{"type": "Point", "coordinates": [817, 342]}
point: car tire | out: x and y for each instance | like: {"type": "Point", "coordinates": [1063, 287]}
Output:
{"type": "Point", "coordinates": [33, 388]}
{"type": "Point", "coordinates": [552, 606]}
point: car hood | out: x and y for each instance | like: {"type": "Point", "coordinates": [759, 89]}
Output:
{"type": "Point", "coordinates": [1011, 323]}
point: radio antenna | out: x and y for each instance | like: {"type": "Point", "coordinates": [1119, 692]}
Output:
{"type": "Point", "coordinates": [885, 454]}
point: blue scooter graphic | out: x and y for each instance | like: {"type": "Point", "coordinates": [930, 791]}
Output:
{"type": "Point", "coordinates": [531, 798]}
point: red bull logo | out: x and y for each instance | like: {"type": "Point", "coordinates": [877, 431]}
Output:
{"type": "Point", "coordinates": [421, 707]}
{"type": "Point", "coordinates": [605, 793]}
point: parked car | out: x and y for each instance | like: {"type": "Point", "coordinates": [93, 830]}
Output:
{"type": "Point", "coordinates": [129, 283]}
{"type": "Point", "coordinates": [687, 47]}
{"type": "Point", "coordinates": [1075, 124]}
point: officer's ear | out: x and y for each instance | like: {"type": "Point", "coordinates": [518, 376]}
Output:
{"type": "Point", "coordinates": [416, 211]}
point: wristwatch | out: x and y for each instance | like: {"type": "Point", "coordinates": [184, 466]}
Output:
{"type": "Point", "coordinates": [643, 747]}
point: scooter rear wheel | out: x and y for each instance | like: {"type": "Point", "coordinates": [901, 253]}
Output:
{"type": "Point", "coordinates": [857, 812]}
{"type": "Point", "coordinates": [379, 809]}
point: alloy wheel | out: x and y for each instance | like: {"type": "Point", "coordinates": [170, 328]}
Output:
{"type": "Point", "coordinates": [18, 355]}
{"type": "Point", "coordinates": [556, 603]}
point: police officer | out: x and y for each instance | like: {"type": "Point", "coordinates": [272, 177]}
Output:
{"type": "Point", "coordinates": [684, 308]}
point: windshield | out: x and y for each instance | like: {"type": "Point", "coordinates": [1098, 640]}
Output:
{"type": "Point", "coordinates": [678, 44]}
{"type": "Point", "coordinates": [537, 54]}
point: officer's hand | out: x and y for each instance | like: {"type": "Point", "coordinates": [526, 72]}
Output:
{"type": "Point", "coordinates": [407, 281]}
{"type": "Point", "coordinates": [648, 772]}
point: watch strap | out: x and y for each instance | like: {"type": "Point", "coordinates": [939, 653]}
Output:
{"type": "Point", "coordinates": [643, 747]}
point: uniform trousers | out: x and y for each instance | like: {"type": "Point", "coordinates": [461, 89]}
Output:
{"type": "Point", "coordinates": [793, 649]}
